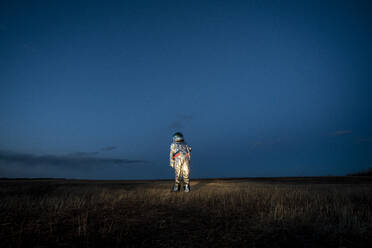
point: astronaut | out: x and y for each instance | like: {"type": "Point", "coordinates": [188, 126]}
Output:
{"type": "Point", "coordinates": [179, 157]}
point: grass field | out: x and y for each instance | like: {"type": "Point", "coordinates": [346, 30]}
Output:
{"type": "Point", "coordinates": [271, 212]}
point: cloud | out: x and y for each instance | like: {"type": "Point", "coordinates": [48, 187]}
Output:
{"type": "Point", "coordinates": [363, 141]}
{"type": "Point", "coordinates": [179, 123]}
{"type": "Point", "coordinates": [86, 154]}
{"type": "Point", "coordinates": [341, 132]}
{"type": "Point", "coordinates": [29, 47]}
{"type": "Point", "coordinates": [9, 158]}
{"type": "Point", "coordinates": [108, 148]}
{"type": "Point", "coordinates": [266, 143]}
{"type": "Point", "coordinates": [83, 154]}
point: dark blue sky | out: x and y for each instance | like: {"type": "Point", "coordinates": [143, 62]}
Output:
{"type": "Point", "coordinates": [95, 89]}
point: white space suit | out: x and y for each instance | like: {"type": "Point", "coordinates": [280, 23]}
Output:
{"type": "Point", "coordinates": [179, 156]}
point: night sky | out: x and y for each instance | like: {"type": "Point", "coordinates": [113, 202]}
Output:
{"type": "Point", "coordinates": [95, 89]}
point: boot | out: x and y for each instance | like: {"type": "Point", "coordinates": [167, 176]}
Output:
{"type": "Point", "coordinates": [187, 188]}
{"type": "Point", "coordinates": [176, 187]}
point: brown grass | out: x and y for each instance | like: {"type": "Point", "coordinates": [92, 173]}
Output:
{"type": "Point", "coordinates": [217, 213]}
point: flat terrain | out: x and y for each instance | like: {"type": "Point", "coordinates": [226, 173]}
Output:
{"type": "Point", "coordinates": [258, 212]}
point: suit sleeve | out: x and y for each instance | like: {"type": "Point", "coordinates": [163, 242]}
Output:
{"type": "Point", "coordinates": [171, 153]}
{"type": "Point", "coordinates": [189, 148]}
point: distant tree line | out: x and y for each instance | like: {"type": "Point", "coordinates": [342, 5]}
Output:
{"type": "Point", "coordinates": [367, 173]}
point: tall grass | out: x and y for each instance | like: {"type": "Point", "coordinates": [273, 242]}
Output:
{"type": "Point", "coordinates": [216, 213]}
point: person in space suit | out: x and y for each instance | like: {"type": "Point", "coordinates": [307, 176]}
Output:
{"type": "Point", "coordinates": [179, 156]}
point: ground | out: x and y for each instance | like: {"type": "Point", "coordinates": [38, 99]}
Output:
{"type": "Point", "coordinates": [260, 212]}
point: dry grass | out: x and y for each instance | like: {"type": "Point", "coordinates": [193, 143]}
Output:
{"type": "Point", "coordinates": [217, 213]}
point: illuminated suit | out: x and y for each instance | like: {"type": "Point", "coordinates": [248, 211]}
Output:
{"type": "Point", "coordinates": [179, 157]}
